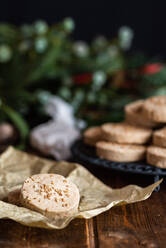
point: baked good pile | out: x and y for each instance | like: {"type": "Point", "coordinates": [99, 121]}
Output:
{"type": "Point", "coordinates": [141, 136]}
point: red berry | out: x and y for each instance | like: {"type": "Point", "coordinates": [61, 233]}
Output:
{"type": "Point", "coordinates": [82, 78]}
{"type": "Point", "coordinates": [150, 69]}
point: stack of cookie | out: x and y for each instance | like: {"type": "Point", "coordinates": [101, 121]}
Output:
{"type": "Point", "coordinates": [135, 138]}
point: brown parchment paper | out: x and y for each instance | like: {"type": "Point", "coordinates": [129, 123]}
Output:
{"type": "Point", "coordinates": [95, 196]}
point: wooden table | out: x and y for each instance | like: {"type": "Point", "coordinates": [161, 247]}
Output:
{"type": "Point", "coordinates": [141, 224]}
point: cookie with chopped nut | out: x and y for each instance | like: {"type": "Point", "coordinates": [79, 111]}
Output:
{"type": "Point", "coordinates": [50, 194]}
{"type": "Point", "coordinates": [120, 152]}
{"type": "Point", "coordinates": [135, 116]}
{"type": "Point", "coordinates": [156, 156]}
{"type": "Point", "coordinates": [92, 135]}
{"type": "Point", "coordinates": [125, 133]}
{"type": "Point", "coordinates": [154, 108]}
{"type": "Point", "coordinates": [159, 137]}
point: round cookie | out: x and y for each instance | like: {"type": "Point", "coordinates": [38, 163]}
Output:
{"type": "Point", "coordinates": [155, 108]}
{"type": "Point", "coordinates": [124, 133]}
{"type": "Point", "coordinates": [92, 135]}
{"type": "Point", "coordinates": [134, 115]}
{"type": "Point", "coordinates": [50, 194]}
{"type": "Point", "coordinates": [119, 152]}
{"type": "Point", "coordinates": [156, 156]}
{"type": "Point", "coordinates": [159, 137]}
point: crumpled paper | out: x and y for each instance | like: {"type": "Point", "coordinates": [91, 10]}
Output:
{"type": "Point", "coordinates": [56, 136]}
{"type": "Point", "coordinates": [95, 196]}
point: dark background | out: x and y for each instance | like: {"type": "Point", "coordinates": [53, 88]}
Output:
{"type": "Point", "coordinates": [147, 18]}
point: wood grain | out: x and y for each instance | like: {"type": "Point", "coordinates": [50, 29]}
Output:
{"type": "Point", "coordinates": [15, 235]}
{"type": "Point", "coordinates": [136, 225]}
{"type": "Point", "coordinates": [141, 224]}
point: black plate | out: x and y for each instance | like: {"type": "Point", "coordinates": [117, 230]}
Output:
{"type": "Point", "coordinates": [86, 154]}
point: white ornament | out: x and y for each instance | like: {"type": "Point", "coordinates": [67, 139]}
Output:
{"type": "Point", "coordinates": [57, 135]}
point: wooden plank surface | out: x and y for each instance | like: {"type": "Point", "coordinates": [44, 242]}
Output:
{"type": "Point", "coordinates": [17, 236]}
{"type": "Point", "coordinates": [141, 224]}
